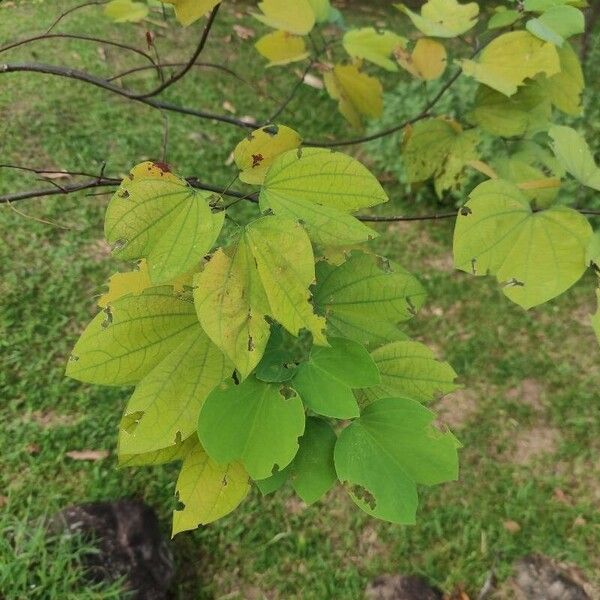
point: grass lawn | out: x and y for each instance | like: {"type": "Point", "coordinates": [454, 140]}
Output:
{"type": "Point", "coordinates": [528, 413]}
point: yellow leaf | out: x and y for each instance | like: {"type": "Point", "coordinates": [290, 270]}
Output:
{"type": "Point", "coordinates": [443, 18]}
{"type": "Point", "coordinates": [296, 17]}
{"type": "Point", "coordinates": [358, 94]}
{"type": "Point", "coordinates": [188, 11]}
{"type": "Point", "coordinates": [512, 58]}
{"type": "Point", "coordinates": [207, 490]}
{"type": "Point", "coordinates": [374, 46]}
{"type": "Point", "coordinates": [255, 154]}
{"type": "Point", "coordinates": [428, 59]}
{"type": "Point", "coordinates": [281, 48]}
{"type": "Point", "coordinates": [135, 282]}
{"type": "Point", "coordinates": [122, 11]}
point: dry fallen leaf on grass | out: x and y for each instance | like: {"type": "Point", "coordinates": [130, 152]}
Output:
{"type": "Point", "coordinates": [244, 33]}
{"type": "Point", "coordinates": [87, 454]}
{"type": "Point", "coordinates": [54, 175]}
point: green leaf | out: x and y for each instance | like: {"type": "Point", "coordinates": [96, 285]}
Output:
{"type": "Point", "coordinates": [510, 59]}
{"type": "Point", "coordinates": [525, 113]}
{"type": "Point", "coordinates": [231, 305]}
{"type": "Point", "coordinates": [322, 10]}
{"type": "Point", "coordinates": [374, 46]}
{"type": "Point", "coordinates": [254, 423]}
{"type": "Point", "coordinates": [318, 188]}
{"type": "Point", "coordinates": [438, 148]}
{"type": "Point", "coordinates": [312, 472]}
{"type": "Point", "coordinates": [158, 457]}
{"type": "Point", "coordinates": [324, 382]}
{"type": "Point", "coordinates": [366, 297]}
{"type": "Point", "coordinates": [286, 266]}
{"type": "Point", "coordinates": [575, 156]}
{"type": "Point", "coordinates": [122, 11]}
{"type": "Point", "coordinates": [158, 216]}
{"type": "Point", "coordinates": [358, 94]}
{"type": "Point", "coordinates": [166, 403]}
{"type": "Point", "coordinates": [536, 256]}
{"type": "Point", "coordinates": [592, 254]}
{"type": "Point", "coordinates": [127, 340]}
{"type": "Point", "coordinates": [557, 24]}
{"type": "Point", "coordinates": [443, 18]}
{"type": "Point", "coordinates": [275, 482]}
{"type": "Point", "coordinates": [565, 88]}
{"type": "Point", "coordinates": [207, 490]}
{"type": "Point", "coordinates": [410, 369]}
{"type": "Point", "coordinates": [503, 18]}
{"type": "Point", "coordinates": [297, 18]}
{"type": "Point", "coordinates": [257, 151]}
{"type": "Point", "coordinates": [382, 456]}
{"type": "Point", "coordinates": [282, 355]}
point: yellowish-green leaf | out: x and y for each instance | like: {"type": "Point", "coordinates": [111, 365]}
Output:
{"type": "Point", "coordinates": [358, 94]}
{"type": "Point", "coordinates": [281, 48]}
{"type": "Point", "coordinates": [574, 154]}
{"type": "Point", "coordinates": [158, 457]}
{"type": "Point", "coordinates": [427, 61]}
{"type": "Point", "coordinates": [319, 188]}
{"type": "Point", "coordinates": [443, 18]}
{"type": "Point", "coordinates": [520, 172]}
{"type": "Point", "coordinates": [128, 339]}
{"type": "Point", "coordinates": [535, 256]}
{"type": "Point", "coordinates": [286, 266]}
{"type": "Point", "coordinates": [527, 112]}
{"type": "Point", "coordinates": [512, 58]}
{"type": "Point", "coordinates": [165, 405]}
{"type": "Point", "coordinates": [207, 490]}
{"type": "Point", "coordinates": [409, 369]}
{"type": "Point", "coordinates": [122, 11]}
{"type": "Point", "coordinates": [188, 11]}
{"type": "Point", "coordinates": [366, 298]}
{"type": "Point", "coordinates": [503, 17]}
{"type": "Point", "coordinates": [565, 88]}
{"type": "Point", "coordinates": [158, 216]}
{"type": "Point", "coordinates": [374, 46]}
{"type": "Point", "coordinates": [257, 151]}
{"type": "Point", "coordinates": [297, 17]}
{"type": "Point", "coordinates": [231, 304]}
{"type": "Point", "coordinates": [322, 10]}
{"type": "Point", "coordinates": [135, 282]}
{"type": "Point", "coordinates": [557, 24]}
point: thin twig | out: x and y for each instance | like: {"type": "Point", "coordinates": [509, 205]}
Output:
{"type": "Point", "coordinates": [72, 10]}
{"type": "Point", "coordinates": [177, 76]}
{"type": "Point", "coordinates": [165, 143]}
{"type": "Point", "coordinates": [292, 94]}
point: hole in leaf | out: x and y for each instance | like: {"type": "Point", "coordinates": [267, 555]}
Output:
{"type": "Point", "coordinates": [364, 495]}
{"type": "Point", "coordinates": [287, 392]}
{"type": "Point", "coordinates": [465, 211]}
{"type": "Point", "coordinates": [271, 129]}
{"type": "Point", "coordinates": [108, 317]}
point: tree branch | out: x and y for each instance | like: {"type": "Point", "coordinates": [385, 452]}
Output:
{"type": "Point", "coordinates": [296, 87]}
{"type": "Point", "coordinates": [177, 76]}
{"type": "Point", "coordinates": [73, 9]}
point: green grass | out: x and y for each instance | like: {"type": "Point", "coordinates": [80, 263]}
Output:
{"type": "Point", "coordinates": [276, 547]}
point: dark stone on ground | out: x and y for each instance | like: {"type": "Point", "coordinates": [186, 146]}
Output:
{"type": "Point", "coordinates": [400, 587]}
{"type": "Point", "coordinates": [129, 544]}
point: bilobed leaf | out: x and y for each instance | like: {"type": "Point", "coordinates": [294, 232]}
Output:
{"type": "Point", "coordinates": [374, 46]}
{"type": "Point", "coordinates": [557, 24]}
{"type": "Point", "coordinates": [282, 48]}
{"type": "Point", "coordinates": [158, 216]}
{"type": "Point", "coordinates": [254, 423]}
{"type": "Point", "coordinates": [565, 88]}
{"type": "Point", "coordinates": [438, 148]}
{"type": "Point", "coordinates": [122, 11]}
{"type": "Point", "coordinates": [574, 154]}
{"type": "Point", "coordinates": [526, 112]}
{"type": "Point", "coordinates": [512, 58]}
{"type": "Point", "coordinates": [285, 264]}
{"type": "Point", "coordinates": [410, 369]}
{"type": "Point", "coordinates": [296, 17]}
{"type": "Point", "coordinates": [165, 405]}
{"type": "Point", "coordinates": [443, 18]}
{"type": "Point", "coordinates": [189, 11]}
{"type": "Point", "coordinates": [366, 297]}
{"type": "Point", "coordinates": [326, 380]}
{"type": "Point", "coordinates": [232, 305]}
{"type": "Point", "coordinates": [123, 343]}
{"type": "Point", "coordinates": [207, 490]}
{"type": "Point", "coordinates": [358, 94]}
{"type": "Point", "coordinates": [312, 472]}
{"type": "Point", "coordinates": [257, 151]}
{"type": "Point", "coordinates": [382, 456]}
{"type": "Point", "coordinates": [427, 61]}
{"type": "Point", "coordinates": [536, 256]}
{"type": "Point", "coordinates": [318, 188]}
